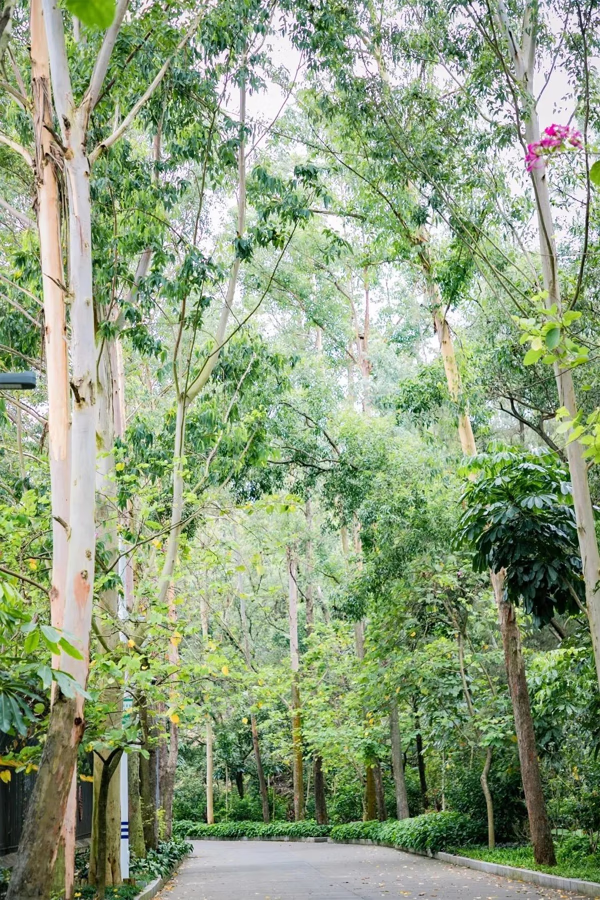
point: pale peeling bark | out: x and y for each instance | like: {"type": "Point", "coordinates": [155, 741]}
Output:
{"type": "Point", "coordinates": [106, 823]}
{"type": "Point", "coordinates": [57, 367]}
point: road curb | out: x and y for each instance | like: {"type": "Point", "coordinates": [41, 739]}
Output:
{"type": "Point", "coordinates": [152, 889]}
{"type": "Point", "coordinates": [286, 839]}
{"type": "Point", "coordinates": [587, 888]}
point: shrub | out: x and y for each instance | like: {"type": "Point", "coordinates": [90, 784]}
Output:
{"type": "Point", "coordinates": [464, 794]}
{"type": "Point", "coordinates": [432, 831]}
{"type": "Point", "coordinates": [233, 830]}
{"type": "Point", "coordinates": [161, 862]}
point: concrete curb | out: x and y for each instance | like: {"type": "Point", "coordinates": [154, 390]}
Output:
{"type": "Point", "coordinates": [152, 889]}
{"type": "Point", "coordinates": [587, 888]}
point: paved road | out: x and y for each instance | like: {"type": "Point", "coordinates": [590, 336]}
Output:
{"type": "Point", "coordinates": [247, 870]}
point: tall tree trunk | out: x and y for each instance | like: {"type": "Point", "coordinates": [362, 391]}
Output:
{"type": "Point", "coordinates": [148, 777]}
{"type": "Point", "coordinates": [57, 366]}
{"type": "Point", "coordinates": [319, 775]}
{"type": "Point", "coordinates": [370, 804]}
{"type": "Point", "coordinates": [541, 835]}
{"type": "Point", "coordinates": [523, 55]}
{"type": "Point", "coordinates": [136, 827]}
{"type": "Point", "coordinates": [109, 766]}
{"type": "Point", "coordinates": [239, 783]}
{"type": "Point", "coordinates": [210, 815]}
{"type": "Point", "coordinates": [510, 633]}
{"type": "Point", "coordinates": [172, 750]}
{"type": "Point", "coordinates": [421, 764]}
{"type": "Point", "coordinates": [107, 830]}
{"type": "Point", "coordinates": [402, 811]}
{"type": "Point", "coordinates": [489, 803]}
{"type": "Point", "coordinates": [297, 757]}
{"type": "Point", "coordinates": [320, 795]}
{"type": "Point", "coordinates": [31, 876]}
{"type": "Point", "coordinates": [262, 784]}
{"type": "Point", "coordinates": [379, 791]}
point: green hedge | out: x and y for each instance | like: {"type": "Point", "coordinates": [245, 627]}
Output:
{"type": "Point", "coordinates": [432, 831]}
{"type": "Point", "coordinates": [231, 830]}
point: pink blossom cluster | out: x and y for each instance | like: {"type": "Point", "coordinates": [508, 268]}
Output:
{"type": "Point", "coordinates": [555, 139]}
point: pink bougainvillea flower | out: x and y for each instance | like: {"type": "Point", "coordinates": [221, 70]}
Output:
{"type": "Point", "coordinates": [555, 139]}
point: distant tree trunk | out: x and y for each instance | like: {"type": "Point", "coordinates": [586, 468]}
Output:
{"type": "Point", "coordinates": [320, 797]}
{"type": "Point", "coordinates": [379, 792]}
{"type": "Point", "coordinates": [262, 784]}
{"type": "Point", "coordinates": [402, 811]}
{"type": "Point", "coordinates": [489, 804]}
{"type": "Point", "coordinates": [239, 783]}
{"type": "Point", "coordinates": [110, 765]}
{"type": "Point", "coordinates": [167, 787]}
{"type": "Point", "coordinates": [297, 757]}
{"type": "Point", "coordinates": [370, 794]}
{"type": "Point", "coordinates": [319, 775]}
{"type": "Point", "coordinates": [148, 778]}
{"type": "Point", "coordinates": [421, 764]}
{"type": "Point", "coordinates": [541, 834]}
{"type": "Point", "coordinates": [210, 815]}
{"type": "Point", "coordinates": [136, 828]}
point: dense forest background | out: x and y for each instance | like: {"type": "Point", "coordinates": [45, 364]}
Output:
{"type": "Point", "coordinates": [299, 521]}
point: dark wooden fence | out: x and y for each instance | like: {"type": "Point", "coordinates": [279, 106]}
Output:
{"type": "Point", "coordinates": [14, 795]}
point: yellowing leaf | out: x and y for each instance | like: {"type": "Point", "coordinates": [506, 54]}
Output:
{"type": "Point", "coordinates": [245, 720]}
{"type": "Point", "coordinates": [5, 776]}
{"type": "Point", "coordinates": [119, 467]}
{"type": "Point", "coordinates": [130, 643]}
{"type": "Point", "coordinates": [33, 564]}
{"type": "Point", "coordinates": [225, 670]}
{"type": "Point", "coordinates": [174, 718]}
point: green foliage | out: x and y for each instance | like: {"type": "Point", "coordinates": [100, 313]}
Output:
{"type": "Point", "coordinates": [518, 516]}
{"type": "Point", "coordinates": [95, 13]}
{"type": "Point", "coordinates": [464, 794]}
{"type": "Point", "coordinates": [574, 859]}
{"type": "Point", "coordinates": [429, 832]}
{"type": "Point", "coordinates": [161, 862]}
{"type": "Point", "coordinates": [236, 830]}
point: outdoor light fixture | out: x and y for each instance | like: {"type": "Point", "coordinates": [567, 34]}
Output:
{"type": "Point", "coordinates": [17, 381]}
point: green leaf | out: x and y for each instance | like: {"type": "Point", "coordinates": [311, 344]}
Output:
{"type": "Point", "coordinates": [595, 173]}
{"type": "Point", "coordinates": [553, 337]}
{"type": "Point", "coordinates": [69, 648]}
{"type": "Point", "coordinates": [31, 641]}
{"type": "Point", "coordinates": [575, 434]}
{"type": "Point", "coordinates": [532, 356]}
{"type": "Point", "coordinates": [93, 13]}
{"type": "Point", "coordinates": [51, 635]}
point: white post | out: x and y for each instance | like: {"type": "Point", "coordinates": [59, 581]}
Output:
{"type": "Point", "coordinates": [123, 778]}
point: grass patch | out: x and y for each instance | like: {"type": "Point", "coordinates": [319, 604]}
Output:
{"type": "Point", "coordinates": [571, 862]}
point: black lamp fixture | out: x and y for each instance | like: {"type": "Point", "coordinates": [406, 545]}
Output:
{"type": "Point", "coordinates": [17, 381]}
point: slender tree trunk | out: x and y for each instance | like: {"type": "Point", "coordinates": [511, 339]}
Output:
{"type": "Point", "coordinates": [148, 778]}
{"type": "Point", "coordinates": [319, 775]}
{"type": "Point", "coordinates": [370, 794]}
{"type": "Point", "coordinates": [239, 783]}
{"type": "Point", "coordinates": [107, 830]}
{"type": "Point", "coordinates": [297, 757]}
{"type": "Point", "coordinates": [489, 804]}
{"type": "Point", "coordinates": [421, 764]}
{"type": "Point", "coordinates": [541, 834]}
{"type": "Point", "coordinates": [136, 828]}
{"type": "Point", "coordinates": [402, 811]}
{"type": "Point", "coordinates": [320, 795]}
{"type": "Point", "coordinates": [262, 784]}
{"type": "Point", "coordinates": [172, 751]}
{"type": "Point", "coordinates": [210, 816]}
{"type": "Point", "coordinates": [109, 767]}
{"type": "Point", "coordinates": [379, 791]}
